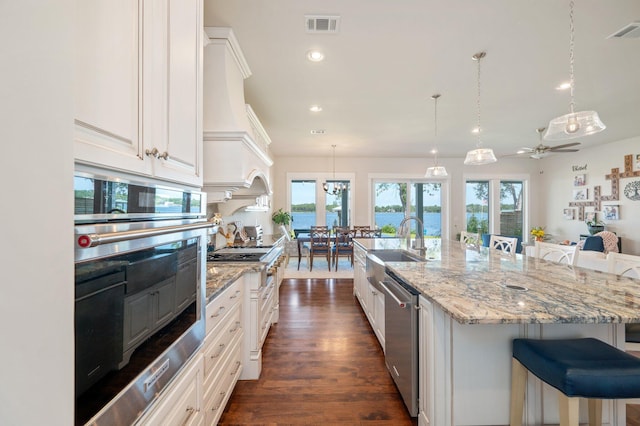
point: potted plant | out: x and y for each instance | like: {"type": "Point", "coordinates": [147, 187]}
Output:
{"type": "Point", "coordinates": [281, 217]}
{"type": "Point", "coordinates": [594, 225]}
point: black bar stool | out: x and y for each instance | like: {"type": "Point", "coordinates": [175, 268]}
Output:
{"type": "Point", "coordinates": [578, 368]}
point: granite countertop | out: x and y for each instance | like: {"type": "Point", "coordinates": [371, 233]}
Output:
{"type": "Point", "coordinates": [221, 275]}
{"type": "Point", "coordinates": [488, 287]}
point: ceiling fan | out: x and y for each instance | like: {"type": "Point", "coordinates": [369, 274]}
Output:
{"type": "Point", "coordinates": [542, 150]}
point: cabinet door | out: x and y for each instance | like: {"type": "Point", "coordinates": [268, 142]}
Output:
{"type": "Point", "coordinates": [107, 88]}
{"type": "Point", "coordinates": [378, 301]}
{"type": "Point", "coordinates": [183, 142]}
{"type": "Point", "coordinates": [425, 363]}
{"type": "Point", "coordinates": [137, 318]}
{"type": "Point", "coordinates": [186, 281]}
{"type": "Point", "coordinates": [164, 302]}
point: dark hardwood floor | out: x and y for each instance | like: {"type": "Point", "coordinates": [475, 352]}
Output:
{"type": "Point", "coordinates": [321, 365]}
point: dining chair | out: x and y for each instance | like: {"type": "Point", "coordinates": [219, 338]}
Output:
{"type": "Point", "coordinates": [623, 264]}
{"type": "Point", "coordinates": [557, 253]}
{"type": "Point", "coordinates": [319, 245]}
{"type": "Point", "coordinates": [506, 244]}
{"type": "Point", "coordinates": [343, 245]}
{"type": "Point", "coordinates": [469, 239]}
{"type": "Point", "coordinates": [359, 229]}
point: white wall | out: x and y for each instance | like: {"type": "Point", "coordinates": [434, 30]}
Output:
{"type": "Point", "coordinates": [36, 168]}
{"type": "Point", "coordinates": [557, 181]}
{"type": "Point", "coordinates": [364, 168]}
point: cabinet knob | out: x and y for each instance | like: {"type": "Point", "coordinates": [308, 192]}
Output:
{"type": "Point", "coordinates": [156, 154]}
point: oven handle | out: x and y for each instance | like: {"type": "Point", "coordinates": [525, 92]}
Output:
{"type": "Point", "coordinates": [93, 240]}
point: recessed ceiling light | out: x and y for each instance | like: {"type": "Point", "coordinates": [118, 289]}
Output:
{"type": "Point", "coordinates": [318, 132]}
{"type": "Point", "coordinates": [315, 56]}
{"type": "Point", "coordinates": [315, 108]}
{"type": "Point", "coordinates": [564, 86]}
{"type": "Point", "coordinates": [475, 130]}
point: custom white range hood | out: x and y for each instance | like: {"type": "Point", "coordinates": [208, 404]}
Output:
{"type": "Point", "coordinates": [236, 146]}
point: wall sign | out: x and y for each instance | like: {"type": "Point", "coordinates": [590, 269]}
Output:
{"type": "Point", "coordinates": [632, 191]}
{"type": "Point", "coordinates": [579, 168]}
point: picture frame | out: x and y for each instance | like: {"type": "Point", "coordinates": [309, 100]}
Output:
{"type": "Point", "coordinates": [611, 212]}
{"type": "Point", "coordinates": [568, 214]}
{"type": "Point", "coordinates": [580, 180]}
{"type": "Point", "coordinates": [637, 161]}
{"type": "Point", "coordinates": [581, 194]}
{"type": "Point", "coordinates": [590, 217]}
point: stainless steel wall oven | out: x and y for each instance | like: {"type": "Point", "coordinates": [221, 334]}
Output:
{"type": "Point", "coordinates": [139, 286]}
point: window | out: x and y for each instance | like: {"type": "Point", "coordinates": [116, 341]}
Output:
{"type": "Point", "coordinates": [495, 206]}
{"type": "Point", "coordinates": [303, 203]}
{"type": "Point", "coordinates": [395, 200]}
{"type": "Point", "coordinates": [477, 211]}
{"type": "Point", "coordinates": [337, 205]}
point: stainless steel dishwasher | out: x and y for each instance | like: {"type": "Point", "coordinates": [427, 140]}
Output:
{"type": "Point", "coordinates": [401, 338]}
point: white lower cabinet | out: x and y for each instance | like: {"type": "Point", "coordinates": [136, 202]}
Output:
{"type": "Point", "coordinates": [425, 362]}
{"type": "Point", "coordinates": [181, 403]}
{"type": "Point", "coordinates": [223, 347]}
{"type": "Point", "coordinates": [370, 297]}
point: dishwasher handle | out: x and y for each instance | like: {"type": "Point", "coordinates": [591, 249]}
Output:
{"type": "Point", "coordinates": [400, 303]}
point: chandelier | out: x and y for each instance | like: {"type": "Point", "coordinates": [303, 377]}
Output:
{"type": "Point", "coordinates": [574, 124]}
{"type": "Point", "coordinates": [435, 170]}
{"type": "Point", "coordinates": [480, 155]}
{"type": "Point", "coordinates": [338, 187]}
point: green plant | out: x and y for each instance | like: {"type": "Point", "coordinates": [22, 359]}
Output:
{"type": "Point", "coordinates": [594, 222]}
{"type": "Point", "coordinates": [281, 217]}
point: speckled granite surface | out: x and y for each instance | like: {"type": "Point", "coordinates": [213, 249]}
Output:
{"type": "Point", "coordinates": [221, 275]}
{"type": "Point", "coordinates": [476, 286]}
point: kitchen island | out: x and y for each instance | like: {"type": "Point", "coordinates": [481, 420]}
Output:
{"type": "Point", "coordinates": [475, 301]}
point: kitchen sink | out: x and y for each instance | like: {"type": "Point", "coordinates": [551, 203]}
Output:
{"type": "Point", "coordinates": [376, 260]}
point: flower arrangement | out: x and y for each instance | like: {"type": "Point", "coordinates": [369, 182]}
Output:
{"type": "Point", "coordinates": [538, 233]}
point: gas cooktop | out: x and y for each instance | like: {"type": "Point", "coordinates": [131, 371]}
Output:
{"type": "Point", "coordinates": [239, 254]}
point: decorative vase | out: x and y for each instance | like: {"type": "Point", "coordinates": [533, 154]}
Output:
{"type": "Point", "coordinates": [595, 229]}
{"type": "Point", "coordinates": [539, 238]}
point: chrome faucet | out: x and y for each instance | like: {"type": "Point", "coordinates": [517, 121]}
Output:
{"type": "Point", "coordinates": [419, 243]}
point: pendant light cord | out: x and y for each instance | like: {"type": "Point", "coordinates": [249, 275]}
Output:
{"type": "Point", "coordinates": [477, 57]}
{"type": "Point", "coordinates": [435, 127]}
{"type": "Point", "coordinates": [571, 43]}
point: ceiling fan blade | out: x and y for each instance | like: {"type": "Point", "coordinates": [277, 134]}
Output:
{"type": "Point", "coordinates": [566, 145]}
{"type": "Point", "coordinates": [565, 150]}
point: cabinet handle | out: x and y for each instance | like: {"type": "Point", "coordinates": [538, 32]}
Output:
{"type": "Point", "coordinates": [222, 395]}
{"type": "Point", "coordinates": [234, 329]}
{"type": "Point", "coordinates": [235, 295]}
{"type": "Point", "coordinates": [216, 355]}
{"type": "Point", "coordinates": [217, 314]}
{"type": "Point", "coordinates": [189, 410]}
{"type": "Point", "coordinates": [238, 364]}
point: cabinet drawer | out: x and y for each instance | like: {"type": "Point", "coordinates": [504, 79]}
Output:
{"type": "Point", "coordinates": [219, 390]}
{"type": "Point", "coordinates": [181, 403]}
{"type": "Point", "coordinates": [222, 305]}
{"type": "Point", "coordinates": [220, 340]}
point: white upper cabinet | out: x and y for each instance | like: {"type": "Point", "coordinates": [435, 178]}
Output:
{"type": "Point", "coordinates": [139, 84]}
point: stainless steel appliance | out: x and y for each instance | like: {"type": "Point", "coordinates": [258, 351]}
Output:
{"type": "Point", "coordinates": [253, 232]}
{"type": "Point", "coordinates": [401, 338]}
{"type": "Point", "coordinates": [401, 324]}
{"type": "Point", "coordinates": [139, 284]}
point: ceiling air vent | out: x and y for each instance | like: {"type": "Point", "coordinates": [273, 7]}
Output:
{"type": "Point", "coordinates": [631, 30]}
{"type": "Point", "coordinates": [324, 24]}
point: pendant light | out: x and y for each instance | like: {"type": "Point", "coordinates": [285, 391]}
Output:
{"type": "Point", "coordinates": [574, 124]}
{"type": "Point", "coordinates": [338, 187]}
{"type": "Point", "coordinates": [435, 171]}
{"type": "Point", "coordinates": [480, 155]}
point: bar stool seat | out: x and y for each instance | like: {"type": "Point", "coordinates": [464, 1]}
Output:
{"type": "Point", "coordinates": [586, 367]}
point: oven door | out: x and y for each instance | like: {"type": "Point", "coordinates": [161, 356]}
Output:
{"type": "Point", "coordinates": [139, 313]}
